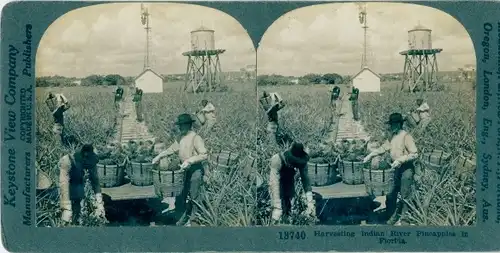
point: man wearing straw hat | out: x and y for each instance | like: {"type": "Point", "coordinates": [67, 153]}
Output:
{"type": "Point", "coordinates": [58, 104]}
{"type": "Point", "coordinates": [282, 180]}
{"type": "Point", "coordinates": [72, 183]}
{"type": "Point", "coordinates": [403, 152]}
{"type": "Point", "coordinates": [192, 152]}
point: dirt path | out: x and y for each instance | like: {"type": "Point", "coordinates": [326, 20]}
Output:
{"type": "Point", "coordinates": [128, 127]}
{"type": "Point", "coordinates": [344, 126]}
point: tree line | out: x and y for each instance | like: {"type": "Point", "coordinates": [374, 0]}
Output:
{"type": "Point", "coordinates": [92, 80]}
{"type": "Point", "coordinates": [312, 79]}
{"type": "Point", "coordinates": [272, 80]}
{"type": "Point", "coordinates": [95, 80]}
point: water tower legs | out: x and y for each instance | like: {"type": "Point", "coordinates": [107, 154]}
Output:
{"type": "Point", "coordinates": [203, 72]}
{"type": "Point", "coordinates": [420, 70]}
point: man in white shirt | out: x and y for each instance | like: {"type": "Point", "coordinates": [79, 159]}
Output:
{"type": "Point", "coordinates": [209, 112]}
{"type": "Point", "coordinates": [272, 103]}
{"type": "Point", "coordinates": [58, 104]}
{"type": "Point", "coordinates": [404, 152]}
{"type": "Point", "coordinates": [192, 152]}
{"type": "Point", "coordinates": [424, 114]}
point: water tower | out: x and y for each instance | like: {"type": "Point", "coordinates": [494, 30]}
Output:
{"type": "Point", "coordinates": [204, 71]}
{"type": "Point", "coordinates": [420, 67]}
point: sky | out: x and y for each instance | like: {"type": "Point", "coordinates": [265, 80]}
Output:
{"type": "Point", "coordinates": [328, 38]}
{"type": "Point", "coordinates": [110, 39]}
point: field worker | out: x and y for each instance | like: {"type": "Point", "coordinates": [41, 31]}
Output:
{"type": "Point", "coordinates": [72, 183]}
{"type": "Point", "coordinates": [191, 150]}
{"type": "Point", "coordinates": [272, 103]}
{"type": "Point", "coordinates": [282, 180]}
{"type": "Point", "coordinates": [118, 96]}
{"type": "Point", "coordinates": [58, 104]}
{"type": "Point", "coordinates": [354, 103]}
{"type": "Point", "coordinates": [208, 111]}
{"type": "Point", "coordinates": [335, 96]}
{"type": "Point", "coordinates": [423, 111]}
{"type": "Point", "coordinates": [138, 104]}
{"type": "Point", "coordinates": [403, 152]}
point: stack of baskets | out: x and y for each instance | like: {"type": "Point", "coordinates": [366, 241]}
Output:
{"type": "Point", "coordinates": [323, 174]}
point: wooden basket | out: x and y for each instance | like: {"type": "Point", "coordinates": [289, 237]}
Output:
{"type": "Point", "coordinates": [378, 182]}
{"type": "Point", "coordinates": [223, 160]}
{"type": "Point", "coordinates": [168, 183]}
{"type": "Point", "coordinates": [465, 164]}
{"type": "Point", "coordinates": [412, 119]}
{"type": "Point", "coordinates": [141, 174]}
{"type": "Point", "coordinates": [200, 118]}
{"type": "Point", "coordinates": [110, 175]}
{"type": "Point", "coordinates": [322, 174]}
{"type": "Point", "coordinates": [249, 166]}
{"type": "Point", "coordinates": [351, 172]}
{"type": "Point", "coordinates": [435, 159]}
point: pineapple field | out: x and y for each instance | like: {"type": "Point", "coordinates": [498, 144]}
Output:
{"type": "Point", "coordinates": [228, 200]}
{"type": "Point", "coordinates": [443, 198]}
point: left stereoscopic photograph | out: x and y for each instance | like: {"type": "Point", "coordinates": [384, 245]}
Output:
{"type": "Point", "coordinates": [145, 117]}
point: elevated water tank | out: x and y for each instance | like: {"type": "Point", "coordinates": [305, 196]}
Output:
{"type": "Point", "coordinates": [202, 39]}
{"type": "Point", "coordinates": [420, 38]}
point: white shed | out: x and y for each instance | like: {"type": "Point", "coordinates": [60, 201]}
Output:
{"type": "Point", "coordinates": [366, 81]}
{"type": "Point", "coordinates": [149, 82]}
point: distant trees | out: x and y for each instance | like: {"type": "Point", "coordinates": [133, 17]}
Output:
{"type": "Point", "coordinates": [272, 80]}
{"type": "Point", "coordinates": [92, 80]}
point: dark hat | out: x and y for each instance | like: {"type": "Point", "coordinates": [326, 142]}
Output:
{"type": "Point", "coordinates": [87, 148]}
{"type": "Point", "coordinates": [395, 118]}
{"type": "Point", "coordinates": [296, 155]}
{"type": "Point", "coordinates": [184, 119]}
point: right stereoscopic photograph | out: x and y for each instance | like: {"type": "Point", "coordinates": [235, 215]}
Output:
{"type": "Point", "coordinates": [367, 117]}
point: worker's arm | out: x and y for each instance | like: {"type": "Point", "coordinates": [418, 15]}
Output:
{"type": "Point", "coordinates": [209, 108]}
{"type": "Point", "coordinates": [94, 178]}
{"type": "Point", "coordinates": [423, 108]}
{"type": "Point", "coordinates": [411, 148]}
{"type": "Point", "coordinates": [64, 168]}
{"type": "Point", "coordinates": [199, 146]}
{"type": "Point", "coordinates": [274, 181]}
{"type": "Point", "coordinates": [281, 105]}
{"type": "Point", "coordinates": [174, 148]}
{"type": "Point", "coordinates": [382, 149]}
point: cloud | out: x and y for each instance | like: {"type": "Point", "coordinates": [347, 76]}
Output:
{"type": "Point", "coordinates": [328, 38]}
{"type": "Point", "coordinates": [110, 39]}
